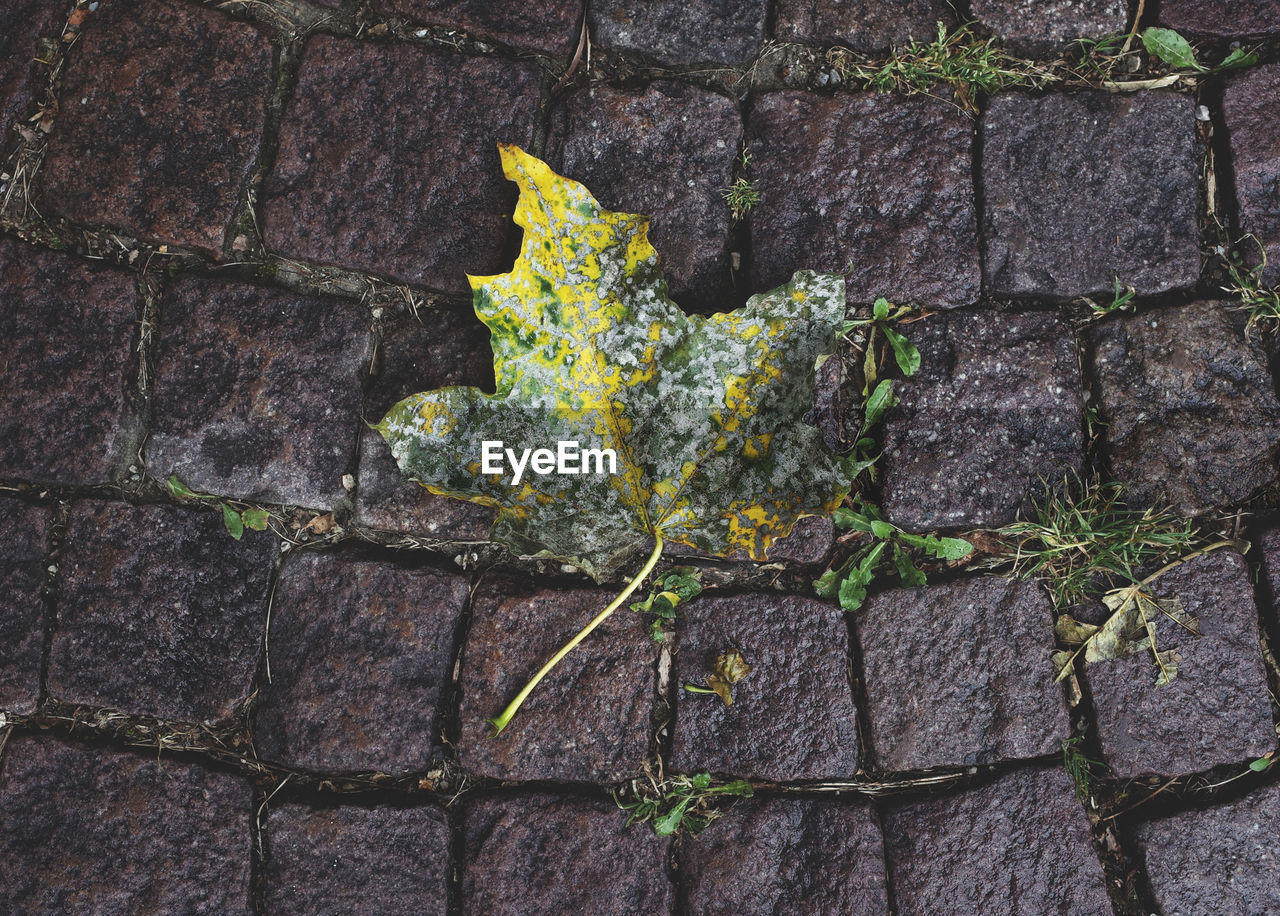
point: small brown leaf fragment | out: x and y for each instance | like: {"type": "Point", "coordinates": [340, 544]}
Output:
{"type": "Point", "coordinates": [730, 667]}
{"type": "Point", "coordinates": [321, 524]}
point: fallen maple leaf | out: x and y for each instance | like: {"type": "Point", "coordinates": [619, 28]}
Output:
{"type": "Point", "coordinates": [703, 414]}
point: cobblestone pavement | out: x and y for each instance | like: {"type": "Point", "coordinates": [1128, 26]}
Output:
{"type": "Point", "coordinates": [234, 232]}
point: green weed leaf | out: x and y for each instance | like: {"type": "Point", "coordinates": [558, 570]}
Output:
{"type": "Point", "coordinates": [180, 489]}
{"type": "Point", "coordinates": [881, 400]}
{"type": "Point", "coordinates": [1170, 47]}
{"type": "Point", "coordinates": [669, 823]}
{"type": "Point", "coordinates": [853, 590]}
{"type": "Point", "coordinates": [908, 572]}
{"type": "Point", "coordinates": [904, 351]}
{"type": "Point", "coordinates": [255, 519]}
{"type": "Point", "coordinates": [1237, 58]}
{"type": "Point", "coordinates": [234, 524]}
{"type": "Point", "coordinates": [939, 548]}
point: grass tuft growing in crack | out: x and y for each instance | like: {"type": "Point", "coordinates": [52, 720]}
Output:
{"type": "Point", "coordinates": [680, 802]}
{"type": "Point", "coordinates": [1084, 539]}
{"type": "Point", "coordinates": [1261, 302]}
{"type": "Point", "coordinates": [967, 64]}
{"type": "Point", "coordinates": [1079, 767]}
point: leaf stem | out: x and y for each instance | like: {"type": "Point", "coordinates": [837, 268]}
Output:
{"type": "Point", "coordinates": [503, 719]}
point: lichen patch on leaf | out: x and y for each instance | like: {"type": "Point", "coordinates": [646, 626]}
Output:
{"type": "Point", "coordinates": [704, 413]}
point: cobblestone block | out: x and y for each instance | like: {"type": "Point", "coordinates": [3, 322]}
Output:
{"type": "Point", "coordinates": [1018, 845]}
{"type": "Point", "coordinates": [1249, 105]}
{"type": "Point", "coordinates": [666, 152]}
{"type": "Point", "coordinates": [789, 856]}
{"type": "Point", "coordinates": [550, 26]}
{"type": "Point", "coordinates": [863, 25]}
{"type": "Point", "coordinates": [160, 612]}
{"type": "Point", "coordinates": [541, 855]}
{"type": "Point", "coordinates": [87, 830]}
{"type": "Point", "coordinates": [443, 349]}
{"type": "Point", "coordinates": [871, 183]}
{"type": "Point", "coordinates": [588, 719]}
{"type": "Point", "coordinates": [1222, 18]}
{"type": "Point", "coordinates": [399, 173]}
{"type": "Point", "coordinates": [161, 116]}
{"type": "Point", "coordinates": [1216, 860]}
{"type": "Point", "coordinates": [994, 408]}
{"type": "Point", "coordinates": [1190, 407]}
{"type": "Point", "coordinates": [959, 674]}
{"type": "Point", "coordinates": [257, 392]}
{"type": "Point", "coordinates": [1043, 27]}
{"type": "Point", "coordinates": [1217, 710]}
{"type": "Point", "coordinates": [681, 31]}
{"type": "Point", "coordinates": [1083, 188]}
{"type": "Point", "coordinates": [22, 560]}
{"type": "Point", "coordinates": [793, 716]}
{"type": "Point", "coordinates": [26, 21]}
{"type": "Point", "coordinates": [351, 859]}
{"type": "Point", "coordinates": [360, 653]}
{"type": "Point", "coordinates": [65, 363]}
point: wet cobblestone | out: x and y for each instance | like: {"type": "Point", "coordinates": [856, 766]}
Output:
{"type": "Point", "coordinates": [163, 110]}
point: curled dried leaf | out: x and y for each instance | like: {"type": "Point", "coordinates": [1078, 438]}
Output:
{"type": "Point", "coordinates": [730, 667]}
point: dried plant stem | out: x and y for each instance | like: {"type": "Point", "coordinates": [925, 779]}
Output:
{"type": "Point", "coordinates": [503, 719]}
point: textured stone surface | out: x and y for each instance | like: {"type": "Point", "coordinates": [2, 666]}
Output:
{"type": "Point", "coordinates": [681, 31]}
{"type": "Point", "coordinates": [666, 152]}
{"type": "Point", "coordinates": [864, 25]}
{"type": "Point", "coordinates": [331, 861]}
{"type": "Point", "coordinates": [160, 612]}
{"type": "Point", "coordinates": [257, 392]}
{"type": "Point", "coordinates": [1249, 106]}
{"type": "Point", "coordinates": [995, 407]}
{"type": "Point", "coordinates": [399, 173]}
{"type": "Point", "coordinates": [360, 652]}
{"type": "Point", "coordinates": [1017, 845]}
{"type": "Point", "coordinates": [960, 674]}
{"type": "Point", "coordinates": [1217, 710]}
{"type": "Point", "coordinates": [22, 557]}
{"type": "Point", "coordinates": [85, 830]}
{"type": "Point", "coordinates": [1045, 26]}
{"type": "Point", "coordinates": [793, 716]}
{"type": "Point", "coordinates": [65, 362]}
{"type": "Point", "coordinates": [785, 856]}
{"type": "Point", "coordinates": [25, 22]}
{"type": "Point", "coordinates": [588, 719]}
{"type": "Point", "coordinates": [1222, 859]}
{"type": "Point", "coordinates": [1222, 18]}
{"type": "Point", "coordinates": [1085, 187]}
{"type": "Point", "coordinates": [1190, 407]}
{"type": "Point", "coordinates": [444, 348]}
{"type": "Point", "coordinates": [876, 184]}
{"type": "Point", "coordinates": [161, 115]}
{"type": "Point", "coordinates": [546, 25]}
{"type": "Point", "coordinates": [548, 855]}
{"type": "Point", "coordinates": [1269, 543]}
